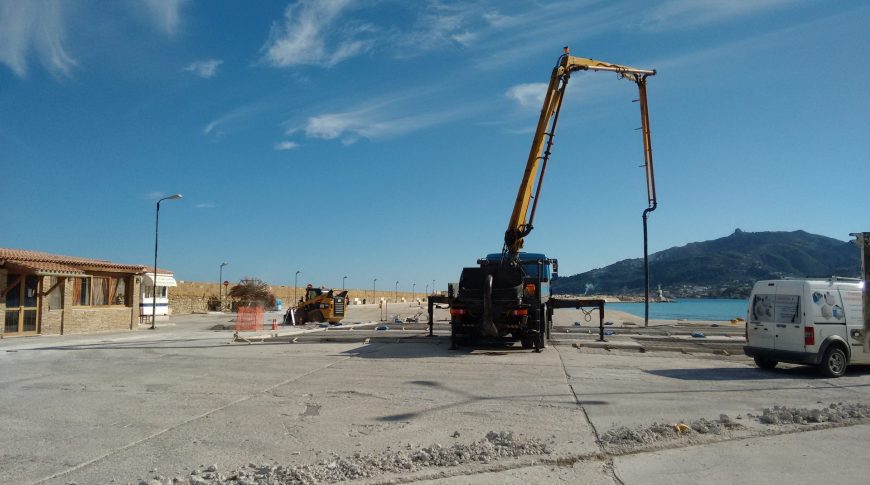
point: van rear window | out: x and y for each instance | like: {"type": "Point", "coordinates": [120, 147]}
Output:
{"type": "Point", "coordinates": [775, 308]}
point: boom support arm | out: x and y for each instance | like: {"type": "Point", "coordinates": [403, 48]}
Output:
{"type": "Point", "coordinates": [522, 218]}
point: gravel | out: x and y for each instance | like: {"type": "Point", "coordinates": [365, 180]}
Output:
{"type": "Point", "coordinates": [495, 446]}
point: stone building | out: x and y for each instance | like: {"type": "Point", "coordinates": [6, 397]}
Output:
{"type": "Point", "coordinates": [49, 294]}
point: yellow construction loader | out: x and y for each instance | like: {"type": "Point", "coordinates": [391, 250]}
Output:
{"type": "Point", "coordinates": [318, 305]}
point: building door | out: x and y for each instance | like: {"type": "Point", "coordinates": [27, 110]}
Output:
{"type": "Point", "coordinates": [22, 305]}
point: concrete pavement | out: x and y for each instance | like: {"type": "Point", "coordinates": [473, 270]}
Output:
{"type": "Point", "coordinates": [121, 407]}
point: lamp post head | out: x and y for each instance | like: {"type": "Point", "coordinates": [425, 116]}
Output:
{"type": "Point", "coordinates": [224, 264]}
{"type": "Point", "coordinates": [174, 197]}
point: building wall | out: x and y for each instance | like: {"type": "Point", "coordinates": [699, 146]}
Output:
{"type": "Point", "coordinates": [77, 320]}
{"type": "Point", "coordinates": [2, 300]}
{"type": "Point", "coordinates": [51, 320]}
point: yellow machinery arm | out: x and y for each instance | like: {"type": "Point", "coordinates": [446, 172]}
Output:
{"type": "Point", "coordinates": [522, 218]}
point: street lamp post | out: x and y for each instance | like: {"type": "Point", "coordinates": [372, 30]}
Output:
{"type": "Point", "coordinates": [427, 288]}
{"type": "Point", "coordinates": [295, 284]}
{"type": "Point", "coordinates": [373, 288]}
{"type": "Point", "coordinates": [220, 283]}
{"type": "Point", "coordinates": [396, 292]}
{"type": "Point", "coordinates": [154, 285]}
{"type": "Point", "coordinates": [433, 287]}
{"type": "Point", "coordinates": [342, 282]}
{"type": "Point", "coordinates": [413, 291]}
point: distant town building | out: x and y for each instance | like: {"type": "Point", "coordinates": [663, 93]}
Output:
{"type": "Point", "coordinates": [50, 294]}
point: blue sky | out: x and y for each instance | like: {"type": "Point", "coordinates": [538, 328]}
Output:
{"type": "Point", "coordinates": [386, 139]}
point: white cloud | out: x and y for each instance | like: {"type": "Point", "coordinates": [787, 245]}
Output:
{"type": "Point", "coordinates": [155, 195]}
{"type": "Point", "coordinates": [207, 68]}
{"type": "Point", "coordinates": [528, 95]}
{"type": "Point", "coordinates": [36, 25]}
{"type": "Point", "coordinates": [286, 145]}
{"type": "Point", "coordinates": [205, 205]}
{"type": "Point", "coordinates": [692, 13]}
{"type": "Point", "coordinates": [302, 39]}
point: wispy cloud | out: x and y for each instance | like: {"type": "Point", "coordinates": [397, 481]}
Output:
{"type": "Point", "coordinates": [205, 205]}
{"type": "Point", "coordinates": [378, 121]}
{"type": "Point", "coordinates": [325, 33]}
{"type": "Point", "coordinates": [166, 14]}
{"type": "Point", "coordinates": [682, 14]}
{"type": "Point", "coordinates": [286, 145]}
{"type": "Point", "coordinates": [155, 195]}
{"type": "Point", "coordinates": [305, 33]}
{"type": "Point", "coordinates": [527, 95]}
{"type": "Point", "coordinates": [206, 69]}
{"type": "Point", "coordinates": [34, 26]}
{"type": "Point", "coordinates": [224, 123]}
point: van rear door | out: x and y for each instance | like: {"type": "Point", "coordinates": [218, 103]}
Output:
{"type": "Point", "coordinates": [759, 325]}
{"type": "Point", "coordinates": [788, 324]}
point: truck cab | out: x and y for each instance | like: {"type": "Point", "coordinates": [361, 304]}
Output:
{"type": "Point", "coordinates": [504, 299]}
{"type": "Point", "coordinates": [806, 321]}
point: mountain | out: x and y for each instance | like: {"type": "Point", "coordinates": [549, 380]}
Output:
{"type": "Point", "coordinates": [726, 266]}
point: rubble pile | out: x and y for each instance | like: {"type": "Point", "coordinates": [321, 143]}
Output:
{"type": "Point", "coordinates": [834, 413]}
{"type": "Point", "coordinates": [623, 437]}
{"type": "Point", "coordinates": [493, 447]}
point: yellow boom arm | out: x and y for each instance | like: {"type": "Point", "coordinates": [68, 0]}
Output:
{"type": "Point", "coordinates": [522, 218]}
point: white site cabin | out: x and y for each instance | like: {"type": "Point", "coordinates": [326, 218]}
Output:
{"type": "Point", "coordinates": [807, 321]}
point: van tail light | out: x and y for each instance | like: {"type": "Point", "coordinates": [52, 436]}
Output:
{"type": "Point", "coordinates": [520, 312]}
{"type": "Point", "coordinates": [530, 289]}
{"type": "Point", "coordinates": [809, 336]}
{"type": "Point", "coordinates": [458, 311]}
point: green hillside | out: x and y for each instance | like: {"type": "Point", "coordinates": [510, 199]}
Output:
{"type": "Point", "coordinates": [723, 267]}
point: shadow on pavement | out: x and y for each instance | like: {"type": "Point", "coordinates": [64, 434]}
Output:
{"type": "Point", "coordinates": [751, 373]}
{"type": "Point", "coordinates": [465, 398]}
{"type": "Point", "coordinates": [423, 347]}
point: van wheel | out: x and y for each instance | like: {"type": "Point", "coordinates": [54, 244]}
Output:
{"type": "Point", "coordinates": [763, 363]}
{"type": "Point", "coordinates": [834, 362]}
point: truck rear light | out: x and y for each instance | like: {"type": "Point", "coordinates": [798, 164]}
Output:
{"type": "Point", "coordinates": [809, 336]}
{"type": "Point", "coordinates": [530, 289]}
{"type": "Point", "coordinates": [520, 312]}
{"type": "Point", "coordinates": [458, 311]}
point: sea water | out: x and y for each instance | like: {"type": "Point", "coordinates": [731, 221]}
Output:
{"type": "Point", "coordinates": [686, 309]}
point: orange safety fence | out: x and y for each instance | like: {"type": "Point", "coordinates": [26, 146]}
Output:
{"type": "Point", "coordinates": [249, 319]}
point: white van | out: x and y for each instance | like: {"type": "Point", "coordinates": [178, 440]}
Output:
{"type": "Point", "coordinates": [806, 321]}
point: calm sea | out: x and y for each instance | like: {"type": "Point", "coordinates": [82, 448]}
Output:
{"type": "Point", "coordinates": [686, 309]}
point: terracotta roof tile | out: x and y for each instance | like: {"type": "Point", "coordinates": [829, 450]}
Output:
{"type": "Point", "coordinates": [46, 262]}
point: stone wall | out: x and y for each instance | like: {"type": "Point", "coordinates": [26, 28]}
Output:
{"type": "Point", "coordinates": [193, 297]}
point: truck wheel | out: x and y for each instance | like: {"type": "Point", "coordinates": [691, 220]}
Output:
{"type": "Point", "coordinates": [834, 362]}
{"type": "Point", "coordinates": [317, 317]}
{"type": "Point", "coordinates": [453, 343]}
{"type": "Point", "coordinates": [527, 342]}
{"type": "Point", "coordinates": [301, 317]}
{"type": "Point", "coordinates": [763, 363]}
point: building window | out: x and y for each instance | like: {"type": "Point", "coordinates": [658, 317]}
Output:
{"type": "Point", "coordinates": [119, 291]}
{"type": "Point", "coordinates": [82, 291]}
{"type": "Point", "coordinates": [54, 298]}
{"type": "Point", "coordinates": [100, 289]}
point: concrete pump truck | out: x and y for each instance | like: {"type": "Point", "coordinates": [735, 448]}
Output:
{"type": "Point", "coordinates": [508, 294]}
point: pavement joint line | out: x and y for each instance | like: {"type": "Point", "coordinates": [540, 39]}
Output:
{"type": "Point", "coordinates": [187, 421]}
{"type": "Point", "coordinates": [577, 400]}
